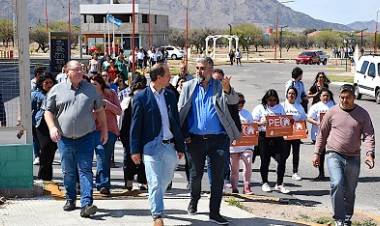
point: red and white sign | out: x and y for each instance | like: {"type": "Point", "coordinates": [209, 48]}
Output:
{"type": "Point", "coordinates": [299, 131]}
{"type": "Point", "coordinates": [279, 126]}
{"type": "Point", "coordinates": [249, 135]}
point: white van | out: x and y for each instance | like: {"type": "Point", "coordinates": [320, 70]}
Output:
{"type": "Point", "coordinates": [367, 77]}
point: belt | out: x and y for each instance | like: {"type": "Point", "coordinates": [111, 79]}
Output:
{"type": "Point", "coordinates": [207, 136]}
{"type": "Point", "coordinates": [170, 141]}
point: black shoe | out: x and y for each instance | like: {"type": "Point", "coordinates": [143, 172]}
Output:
{"type": "Point", "coordinates": [170, 186]}
{"type": "Point", "coordinates": [69, 206]}
{"type": "Point", "coordinates": [320, 178]}
{"type": "Point", "coordinates": [104, 191]}
{"type": "Point", "coordinates": [218, 219]}
{"type": "Point", "coordinates": [236, 191]}
{"type": "Point", "coordinates": [87, 211]}
{"type": "Point", "coordinates": [192, 208]}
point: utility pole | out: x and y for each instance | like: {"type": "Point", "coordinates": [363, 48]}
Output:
{"type": "Point", "coordinates": [150, 28]}
{"type": "Point", "coordinates": [276, 25]}
{"type": "Point", "coordinates": [187, 34]}
{"type": "Point", "coordinates": [46, 16]}
{"type": "Point", "coordinates": [69, 16]}
{"type": "Point", "coordinates": [133, 35]}
{"type": "Point", "coordinates": [377, 22]}
{"type": "Point", "coordinates": [24, 67]}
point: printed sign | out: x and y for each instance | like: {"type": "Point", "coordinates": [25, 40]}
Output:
{"type": "Point", "coordinates": [249, 135]}
{"type": "Point", "coordinates": [59, 51]}
{"type": "Point", "coordinates": [299, 131]}
{"type": "Point", "coordinates": [279, 126]}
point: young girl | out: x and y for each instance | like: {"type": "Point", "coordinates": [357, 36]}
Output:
{"type": "Point", "coordinates": [270, 146]}
{"type": "Point", "coordinates": [242, 152]}
{"type": "Point", "coordinates": [313, 117]}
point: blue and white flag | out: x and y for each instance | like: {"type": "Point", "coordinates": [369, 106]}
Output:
{"type": "Point", "coordinates": [113, 20]}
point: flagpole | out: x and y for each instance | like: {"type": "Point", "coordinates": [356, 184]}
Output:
{"type": "Point", "coordinates": [113, 39]}
{"type": "Point", "coordinates": [109, 39]}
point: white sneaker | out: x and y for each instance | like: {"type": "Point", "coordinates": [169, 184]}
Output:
{"type": "Point", "coordinates": [281, 189]}
{"type": "Point", "coordinates": [266, 188]}
{"type": "Point", "coordinates": [36, 161]}
{"type": "Point", "coordinates": [296, 177]}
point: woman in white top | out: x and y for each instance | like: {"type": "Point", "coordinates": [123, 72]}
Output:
{"type": "Point", "coordinates": [313, 117]}
{"type": "Point", "coordinates": [93, 65]}
{"type": "Point", "coordinates": [298, 113]}
{"type": "Point", "coordinates": [270, 146]}
{"type": "Point", "coordinates": [242, 152]}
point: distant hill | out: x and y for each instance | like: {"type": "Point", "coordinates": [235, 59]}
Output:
{"type": "Point", "coordinates": [203, 13]}
{"type": "Point", "coordinates": [371, 25]}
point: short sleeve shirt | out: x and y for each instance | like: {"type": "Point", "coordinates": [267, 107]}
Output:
{"type": "Point", "coordinates": [73, 108]}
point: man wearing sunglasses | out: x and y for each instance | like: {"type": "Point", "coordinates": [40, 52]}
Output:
{"type": "Point", "coordinates": [208, 128]}
{"type": "Point", "coordinates": [341, 131]}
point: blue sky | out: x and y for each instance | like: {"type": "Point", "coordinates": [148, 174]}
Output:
{"type": "Point", "coordinates": [338, 11]}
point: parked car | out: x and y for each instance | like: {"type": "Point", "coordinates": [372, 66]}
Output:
{"type": "Point", "coordinates": [173, 52]}
{"type": "Point", "coordinates": [367, 77]}
{"type": "Point", "coordinates": [322, 56]}
{"type": "Point", "coordinates": [308, 57]}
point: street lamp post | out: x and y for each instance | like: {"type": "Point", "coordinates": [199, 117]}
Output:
{"type": "Point", "coordinates": [277, 21]}
{"type": "Point", "coordinates": [230, 28]}
{"type": "Point", "coordinates": [377, 21]}
{"type": "Point", "coordinates": [281, 39]}
{"type": "Point", "coordinates": [361, 36]}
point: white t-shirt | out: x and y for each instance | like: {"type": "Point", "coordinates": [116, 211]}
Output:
{"type": "Point", "coordinates": [296, 110]}
{"type": "Point", "coordinates": [94, 66]}
{"type": "Point", "coordinates": [314, 113]}
{"type": "Point", "coordinates": [245, 117]}
{"type": "Point", "coordinates": [259, 112]}
{"type": "Point", "coordinates": [140, 56]}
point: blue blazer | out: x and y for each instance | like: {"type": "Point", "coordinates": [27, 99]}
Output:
{"type": "Point", "coordinates": [146, 122]}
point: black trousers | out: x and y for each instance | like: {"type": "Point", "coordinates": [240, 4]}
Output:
{"type": "Point", "coordinates": [131, 169]}
{"type": "Point", "coordinates": [48, 149]}
{"type": "Point", "coordinates": [294, 147]}
{"type": "Point", "coordinates": [272, 148]}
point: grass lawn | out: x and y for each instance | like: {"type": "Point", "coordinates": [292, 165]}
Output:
{"type": "Point", "coordinates": [338, 78]}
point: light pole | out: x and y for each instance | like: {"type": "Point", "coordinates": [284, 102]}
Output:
{"type": "Point", "coordinates": [361, 36]}
{"type": "Point", "coordinates": [277, 20]}
{"type": "Point", "coordinates": [281, 39]}
{"type": "Point", "coordinates": [377, 21]}
{"type": "Point", "coordinates": [230, 28]}
{"type": "Point", "coordinates": [187, 35]}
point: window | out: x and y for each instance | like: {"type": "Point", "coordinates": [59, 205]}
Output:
{"type": "Point", "coordinates": [145, 18]}
{"type": "Point", "coordinates": [372, 70]}
{"type": "Point", "coordinates": [364, 67]}
{"type": "Point", "coordinates": [99, 18]}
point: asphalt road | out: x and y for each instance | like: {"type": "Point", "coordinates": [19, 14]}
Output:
{"type": "Point", "coordinates": [253, 80]}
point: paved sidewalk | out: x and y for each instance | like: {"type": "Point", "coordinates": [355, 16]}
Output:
{"type": "Point", "coordinates": [122, 212]}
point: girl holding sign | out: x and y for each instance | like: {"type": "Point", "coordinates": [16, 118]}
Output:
{"type": "Point", "coordinates": [314, 117]}
{"type": "Point", "coordinates": [270, 146]}
{"type": "Point", "coordinates": [298, 113]}
{"type": "Point", "coordinates": [244, 153]}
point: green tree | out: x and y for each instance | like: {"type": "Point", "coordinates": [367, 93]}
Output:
{"type": "Point", "coordinates": [198, 36]}
{"type": "Point", "coordinates": [176, 37]}
{"type": "Point", "coordinates": [327, 39]}
{"type": "Point", "coordinates": [6, 31]}
{"type": "Point", "coordinates": [39, 35]}
{"type": "Point", "coordinates": [249, 35]}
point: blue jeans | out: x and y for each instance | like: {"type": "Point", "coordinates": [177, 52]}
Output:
{"type": "Point", "coordinates": [103, 160]}
{"type": "Point", "coordinates": [159, 170]}
{"type": "Point", "coordinates": [78, 154]}
{"type": "Point", "coordinates": [344, 174]}
{"type": "Point", "coordinates": [214, 147]}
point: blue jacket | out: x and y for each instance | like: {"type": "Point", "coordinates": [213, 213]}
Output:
{"type": "Point", "coordinates": [146, 122]}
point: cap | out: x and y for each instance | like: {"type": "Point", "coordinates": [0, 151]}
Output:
{"type": "Point", "coordinates": [347, 87]}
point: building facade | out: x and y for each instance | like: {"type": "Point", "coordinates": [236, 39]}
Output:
{"type": "Point", "coordinates": [151, 26]}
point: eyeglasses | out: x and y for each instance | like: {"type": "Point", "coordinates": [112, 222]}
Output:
{"type": "Point", "coordinates": [322, 77]}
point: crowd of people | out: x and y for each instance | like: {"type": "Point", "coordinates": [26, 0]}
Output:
{"type": "Point", "coordinates": [87, 108]}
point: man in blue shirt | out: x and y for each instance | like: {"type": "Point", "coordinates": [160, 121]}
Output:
{"type": "Point", "coordinates": [208, 129]}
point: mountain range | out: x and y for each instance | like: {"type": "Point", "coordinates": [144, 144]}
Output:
{"type": "Point", "coordinates": [203, 13]}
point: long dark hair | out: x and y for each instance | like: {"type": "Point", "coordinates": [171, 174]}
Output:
{"type": "Point", "coordinates": [138, 83]}
{"type": "Point", "coordinates": [324, 89]}
{"type": "Point", "coordinates": [327, 80]}
{"type": "Point", "coordinates": [99, 79]}
{"type": "Point", "coordinates": [294, 89]}
{"type": "Point", "coordinates": [46, 75]}
{"type": "Point", "coordinates": [269, 93]}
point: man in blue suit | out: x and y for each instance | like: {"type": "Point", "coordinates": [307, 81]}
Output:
{"type": "Point", "coordinates": [156, 136]}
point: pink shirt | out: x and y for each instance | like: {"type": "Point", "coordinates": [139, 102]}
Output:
{"type": "Point", "coordinates": [342, 131]}
{"type": "Point", "coordinates": [112, 109]}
